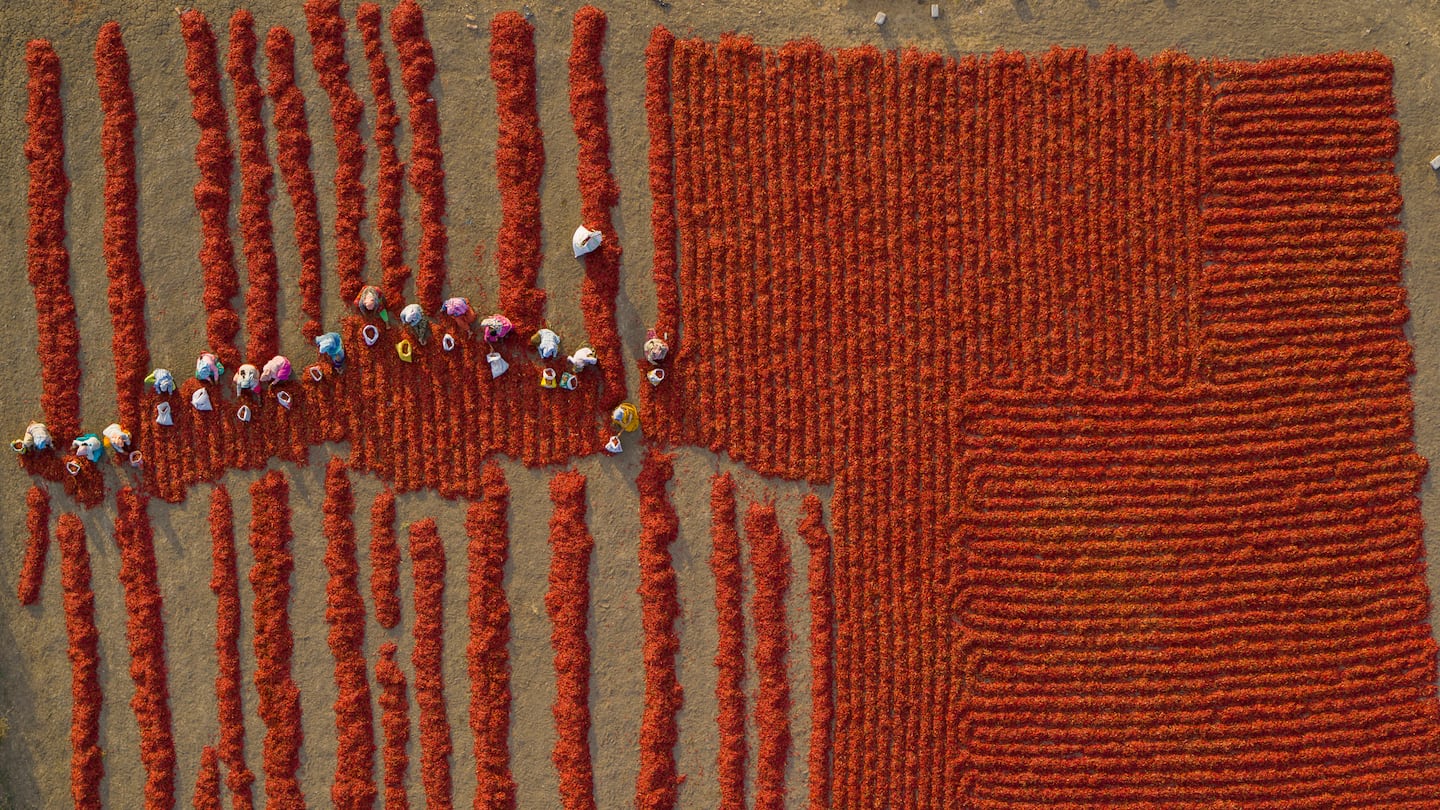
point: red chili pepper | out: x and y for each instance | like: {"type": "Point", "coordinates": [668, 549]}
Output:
{"type": "Point", "coordinates": [519, 164]}
{"type": "Point", "coordinates": [256, 183]}
{"type": "Point", "coordinates": [279, 697]}
{"type": "Point", "coordinates": [327, 40]}
{"type": "Point", "coordinates": [87, 764]}
{"type": "Point", "coordinates": [488, 655]}
{"type": "Point", "coordinates": [354, 786]}
{"type": "Point", "coordinates": [212, 192]}
{"type": "Point", "coordinates": [37, 546]}
{"type": "Point", "coordinates": [390, 177]}
{"type": "Point", "coordinates": [225, 583]}
{"type": "Point", "coordinates": [657, 785]}
{"type": "Point", "coordinates": [46, 256]}
{"type": "Point", "coordinates": [145, 632]}
{"type": "Point", "coordinates": [292, 153]}
{"type": "Point", "coordinates": [730, 654]}
{"type": "Point", "coordinates": [428, 555]}
{"type": "Point", "coordinates": [567, 602]}
{"type": "Point", "coordinates": [395, 718]}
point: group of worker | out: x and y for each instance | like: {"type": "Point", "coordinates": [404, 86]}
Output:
{"type": "Point", "coordinates": [253, 380]}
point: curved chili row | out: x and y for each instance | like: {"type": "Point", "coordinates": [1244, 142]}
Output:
{"type": "Point", "coordinates": [427, 554]}
{"type": "Point", "coordinates": [822, 643]}
{"type": "Point", "coordinates": [212, 191]}
{"type": "Point", "coordinates": [599, 193]}
{"type": "Point", "coordinates": [225, 584]}
{"type": "Point", "coordinates": [390, 176]}
{"type": "Point", "coordinates": [327, 41]}
{"type": "Point", "coordinates": [292, 153]}
{"type": "Point", "coordinates": [567, 602]}
{"type": "Point", "coordinates": [37, 544]}
{"type": "Point", "coordinates": [354, 786]}
{"type": "Point", "coordinates": [87, 763]}
{"type": "Point", "coordinates": [46, 256]}
{"type": "Point", "coordinates": [730, 654]}
{"type": "Point", "coordinates": [279, 697]}
{"type": "Point", "coordinates": [395, 721]}
{"type": "Point", "coordinates": [384, 560]}
{"type": "Point", "coordinates": [658, 783]}
{"type": "Point", "coordinates": [770, 562]}
{"type": "Point", "coordinates": [427, 164]}
{"type": "Point", "coordinates": [519, 164]}
{"type": "Point", "coordinates": [126, 293]}
{"type": "Point", "coordinates": [488, 532]}
{"type": "Point", "coordinates": [145, 632]}
{"type": "Point", "coordinates": [257, 179]}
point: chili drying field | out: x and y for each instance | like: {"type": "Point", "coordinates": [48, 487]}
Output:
{"type": "Point", "coordinates": [1042, 423]}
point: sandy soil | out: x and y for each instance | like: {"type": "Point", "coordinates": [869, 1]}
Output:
{"type": "Point", "coordinates": [34, 674]}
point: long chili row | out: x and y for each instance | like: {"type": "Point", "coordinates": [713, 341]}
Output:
{"type": "Point", "coordinates": [488, 533]}
{"type": "Point", "coordinates": [519, 165]}
{"type": "Point", "coordinates": [292, 153]}
{"type": "Point", "coordinates": [215, 159]}
{"type": "Point", "coordinates": [599, 193]}
{"type": "Point", "coordinates": [327, 41]}
{"type": "Point", "coordinates": [126, 293]}
{"type": "Point", "coordinates": [262, 333]}
{"type": "Point", "coordinates": [427, 165]}
{"type": "Point", "coordinates": [662, 159]}
{"type": "Point", "coordinates": [427, 554]}
{"type": "Point", "coordinates": [658, 783]}
{"type": "Point", "coordinates": [770, 562]}
{"type": "Point", "coordinates": [47, 259]}
{"type": "Point", "coordinates": [279, 697]}
{"type": "Point", "coordinates": [354, 786]}
{"type": "Point", "coordinates": [145, 633]}
{"type": "Point", "coordinates": [567, 602]}
{"type": "Point", "coordinates": [822, 644]}
{"type": "Point", "coordinates": [225, 584]}
{"type": "Point", "coordinates": [390, 174]}
{"type": "Point", "coordinates": [730, 654]}
{"type": "Point", "coordinates": [87, 764]}
{"type": "Point", "coordinates": [395, 720]}
{"type": "Point", "coordinates": [384, 560]}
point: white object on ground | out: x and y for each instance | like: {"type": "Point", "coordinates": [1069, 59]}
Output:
{"type": "Point", "coordinates": [880, 18]}
{"type": "Point", "coordinates": [201, 400]}
{"type": "Point", "coordinates": [162, 414]}
{"type": "Point", "coordinates": [585, 240]}
{"type": "Point", "coordinates": [497, 363]}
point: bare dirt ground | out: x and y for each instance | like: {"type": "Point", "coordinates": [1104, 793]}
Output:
{"type": "Point", "coordinates": [34, 673]}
